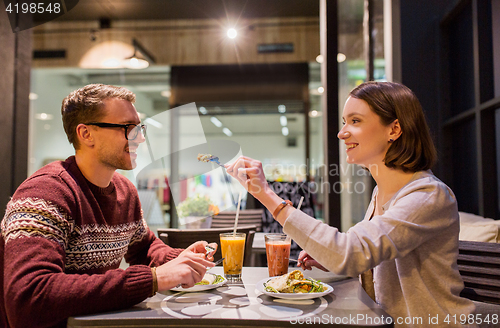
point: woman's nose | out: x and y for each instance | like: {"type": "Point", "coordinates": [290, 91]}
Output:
{"type": "Point", "coordinates": [343, 134]}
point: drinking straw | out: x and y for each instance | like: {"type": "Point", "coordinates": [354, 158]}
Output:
{"type": "Point", "coordinates": [237, 214]}
{"type": "Point", "coordinates": [300, 202]}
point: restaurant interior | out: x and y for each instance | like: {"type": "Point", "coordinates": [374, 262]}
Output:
{"type": "Point", "coordinates": [262, 78]}
{"type": "Point", "coordinates": [274, 90]}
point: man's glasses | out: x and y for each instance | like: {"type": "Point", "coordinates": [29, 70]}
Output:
{"type": "Point", "coordinates": [131, 130]}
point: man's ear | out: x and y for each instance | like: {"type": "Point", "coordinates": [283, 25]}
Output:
{"type": "Point", "coordinates": [84, 135]}
{"type": "Point", "coordinates": [395, 131]}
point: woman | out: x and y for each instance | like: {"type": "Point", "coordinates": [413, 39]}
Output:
{"type": "Point", "coordinates": [409, 236]}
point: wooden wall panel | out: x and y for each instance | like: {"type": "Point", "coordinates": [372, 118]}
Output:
{"type": "Point", "coordinates": [185, 42]}
{"type": "Point", "coordinates": [238, 83]}
{"type": "Point", "coordinates": [7, 58]}
{"type": "Point", "coordinates": [15, 59]}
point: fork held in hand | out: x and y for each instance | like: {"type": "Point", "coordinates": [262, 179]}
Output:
{"type": "Point", "coordinates": [219, 261]}
{"type": "Point", "coordinates": [215, 159]}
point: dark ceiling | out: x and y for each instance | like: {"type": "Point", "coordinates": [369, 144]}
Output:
{"type": "Point", "coordinates": [189, 9]}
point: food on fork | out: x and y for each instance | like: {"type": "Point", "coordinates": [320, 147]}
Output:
{"type": "Point", "coordinates": [209, 249]}
{"type": "Point", "coordinates": [204, 157]}
{"type": "Point", "coordinates": [294, 282]}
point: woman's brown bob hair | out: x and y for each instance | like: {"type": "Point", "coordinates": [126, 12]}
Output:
{"type": "Point", "coordinates": [414, 150]}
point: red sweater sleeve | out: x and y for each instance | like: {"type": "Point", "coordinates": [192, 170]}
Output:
{"type": "Point", "coordinates": [38, 292]}
{"type": "Point", "coordinates": [150, 251]}
{"type": "Point", "coordinates": [61, 257]}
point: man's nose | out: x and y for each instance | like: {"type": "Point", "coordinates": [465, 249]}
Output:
{"type": "Point", "coordinates": [141, 136]}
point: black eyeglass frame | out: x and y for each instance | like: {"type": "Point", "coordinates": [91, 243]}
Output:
{"type": "Point", "coordinates": [125, 126]}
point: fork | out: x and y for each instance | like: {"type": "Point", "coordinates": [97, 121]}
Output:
{"type": "Point", "coordinates": [215, 159]}
{"type": "Point", "coordinates": [219, 261]}
{"type": "Point", "coordinates": [216, 263]}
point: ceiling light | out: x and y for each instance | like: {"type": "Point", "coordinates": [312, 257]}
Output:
{"type": "Point", "coordinates": [284, 131]}
{"type": "Point", "coordinates": [153, 122]}
{"type": "Point", "coordinates": [231, 33]}
{"type": "Point", "coordinates": [111, 63]}
{"type": "Point", "coordinates": [321, 90]}
{"type": "Point", "coordinates": [33, 96]}
{"type": "Point", "coordinates": [281, 109]}
{"type": "Point", "coordinates": [203, 110]}
{"type": "Point", "coordinates": [166, 93]}
{"type": "Point", "coordinates": [227, 132]}
{"type": "Point", "coordinates": [215, 121]}
{"type": "Point", "coordinates": [341, 57]}
{"type": "Point", "coordinates": [107, 54]}
{"type": "Point", "coordinates": [283, 120]}
{"type": "Point", "coordinates": [319, 59]}
{"type": "Point", "coordinates": [315, 114]}
{"type": "Point", "coordinates": [135, 62]}
{"type": "Point", "coordinates": [44, 116]}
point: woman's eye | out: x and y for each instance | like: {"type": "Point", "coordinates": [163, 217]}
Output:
{"type": "Point", "coordinates": [355, 121]}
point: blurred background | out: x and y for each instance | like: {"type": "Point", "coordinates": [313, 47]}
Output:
{"type": "Point", "coordinates": [266, 79]}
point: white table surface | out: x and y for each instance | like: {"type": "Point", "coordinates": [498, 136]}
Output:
{"type": "Point", "coordinates": [241, 305]}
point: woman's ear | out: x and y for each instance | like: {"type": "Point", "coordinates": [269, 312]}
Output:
{"type": "Point", "coordinates": [84, 135]}
{"type": "Point", "coordinates": [395, 131]}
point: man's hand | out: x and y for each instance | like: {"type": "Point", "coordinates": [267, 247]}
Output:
{"type": "Point", "coordinates": [185, 270]}
{"type": "Point", "coordinates": [199, 247]}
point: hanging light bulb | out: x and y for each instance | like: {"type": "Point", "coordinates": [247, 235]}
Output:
{"type": "Point", "coordinates": [135, 62]}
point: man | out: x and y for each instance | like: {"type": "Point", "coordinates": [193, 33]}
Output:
{"type": "Point", "coordinates": [68, 226]}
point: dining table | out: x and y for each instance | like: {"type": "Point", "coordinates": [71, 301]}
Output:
{"type": "Point", "coordinates": [244, 304]}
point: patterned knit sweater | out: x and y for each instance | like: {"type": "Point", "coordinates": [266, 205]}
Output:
{"type": "Point", "coordinates": [62, 242]}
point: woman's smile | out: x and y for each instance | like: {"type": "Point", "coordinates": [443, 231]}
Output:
{"type": "Point", "coordinates": [351, 146]}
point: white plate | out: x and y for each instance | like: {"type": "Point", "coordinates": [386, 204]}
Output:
{"type": "Point", "coordinates": [199, 288]}
{"type": "Point", "coordinates": [291, 296]}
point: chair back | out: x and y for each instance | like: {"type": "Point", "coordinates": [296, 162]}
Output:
{"type": "Point", "coordinates": [479, 266]}
{"type": "Point", "coordinates": [246, 217]}
{"type": "Point", "coordinates": [178, 238]}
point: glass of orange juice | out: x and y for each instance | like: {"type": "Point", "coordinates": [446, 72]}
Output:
{"type": "Point", "coordinates": [232, 246]}
{"type": "Point", "coordinates": [278, 253]}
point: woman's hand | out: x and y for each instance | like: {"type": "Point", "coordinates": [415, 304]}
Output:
{"type": "Point", "coordinates": [250, 174]}
{"type": "Point", "coordinates": [306, 262]}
